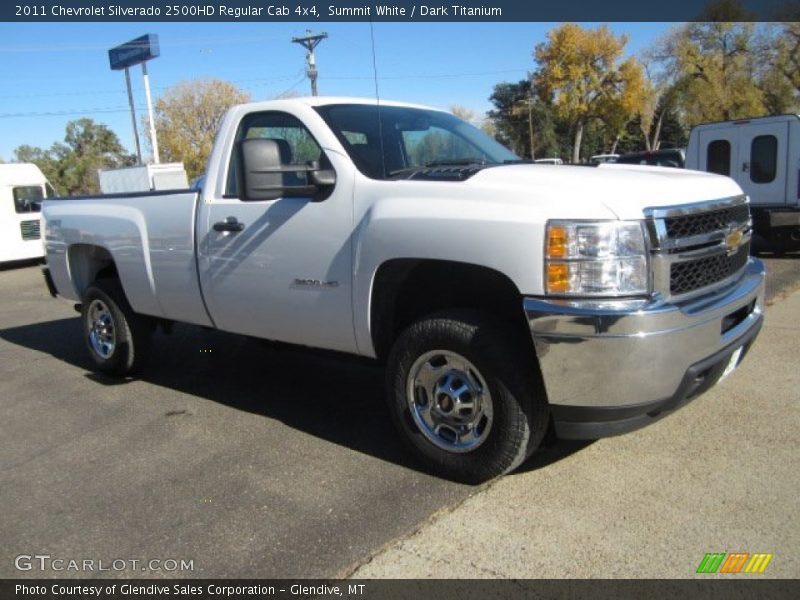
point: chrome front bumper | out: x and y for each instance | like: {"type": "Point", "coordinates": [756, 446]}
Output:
{"type": "Point", "coordinates": [611, 367]}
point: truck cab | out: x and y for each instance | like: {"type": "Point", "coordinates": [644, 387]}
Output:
{"type": "Point", "coordinates": [763, 156]}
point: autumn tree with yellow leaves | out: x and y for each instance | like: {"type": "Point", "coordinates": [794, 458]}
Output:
{"type": "Point", "coordinates": [187, 117]}
{"type": "Point", "coordinates": [582, 72]}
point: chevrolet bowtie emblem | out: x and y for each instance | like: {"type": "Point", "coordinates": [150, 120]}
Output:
{"type": "Point", "coordinates": [733, 240]}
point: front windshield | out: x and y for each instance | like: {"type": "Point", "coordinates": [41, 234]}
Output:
{"type": "Point", "coordinates": [412, 138]}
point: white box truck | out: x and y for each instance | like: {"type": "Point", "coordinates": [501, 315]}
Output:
{"type": "Point", "coordinates": [23, 187]}
{"type": "Point", "coordinates": [143, 178]}
{"type": "Point", "coordinates": [763, 156]}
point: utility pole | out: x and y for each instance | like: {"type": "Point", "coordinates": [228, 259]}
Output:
{"type": "Point", "coordinates": [309, 42]}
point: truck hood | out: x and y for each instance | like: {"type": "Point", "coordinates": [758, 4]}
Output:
{"type": "Point", "coordinates": [626, 190]}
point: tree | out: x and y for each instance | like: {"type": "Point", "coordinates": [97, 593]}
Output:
{"type": "Point", "coordinates": [715, 69]}
{"type": "Point", "coordinates": [582, 72]}
{"type": "Point", "coordinates": [780, 61]}
{"type": "Point", "coordinates": [187, 117]}
{"type": "Point", "coordinates": [463, 113]}
{"type": "Point", "coordinates": [523, 121]}
{"type": "Point", "coordinates": [72, 166]}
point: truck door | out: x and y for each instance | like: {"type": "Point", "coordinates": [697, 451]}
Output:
{"type": "Point", "coordinates": [762, 165]}
{"type": "Point", "coordinates": [280, 269]}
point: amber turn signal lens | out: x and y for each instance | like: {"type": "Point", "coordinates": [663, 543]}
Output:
{"type": "Point", "coordinates": [556, 242]}
{"type": "Point", "coordinates": [557, 278]}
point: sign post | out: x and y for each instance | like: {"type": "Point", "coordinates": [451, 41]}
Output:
{"type": "Point", "coordinates": [153, 141]}
{"type": "Point", "coordinates": [126, 55]}
{"type": "Point", "coordinates": [133, 116]}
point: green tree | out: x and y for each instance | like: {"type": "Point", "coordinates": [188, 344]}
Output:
{"type": "Point", "coordinates": [582, 72]}
{"type": "Point", "coordinates": [72, 166]}
{"type": "Point", "coordinates": [523, 121]}
{"type": "Point", "coordinates": [187, 117]}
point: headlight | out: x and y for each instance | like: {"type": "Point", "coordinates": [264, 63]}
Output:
{"type": "Point", "coordinates": [601, 258]}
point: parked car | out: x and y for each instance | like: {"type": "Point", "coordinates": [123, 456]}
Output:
{"type": "Point", "coordinates": [668, 157]}
{"type": "Point", "coordinates": [548, 161]}
{"type": "Point", "coordinates": [599, 159]}
{"type": "Point", "coordinates": [502, 297]}
{"type": "Point", "coordinates": [763, 156]}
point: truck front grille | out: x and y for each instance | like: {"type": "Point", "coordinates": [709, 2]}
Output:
{"type": "Point", "coordinates": [693, 275]}
{"type": "Point", "coordinates": [706, 222]}
{"type": "Point", "coordinates": [696, 248]}
{"type": "Point", "coordinates": [30, 230]}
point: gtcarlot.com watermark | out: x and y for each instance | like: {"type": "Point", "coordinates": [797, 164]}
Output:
{"type": "Point", "coordinates": [46, 562]}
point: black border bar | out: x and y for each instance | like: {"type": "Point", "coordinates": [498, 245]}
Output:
{"type": "Point", "coordinates": [711, 586]}
{"type": "Point", "coordinates": [278, 11]}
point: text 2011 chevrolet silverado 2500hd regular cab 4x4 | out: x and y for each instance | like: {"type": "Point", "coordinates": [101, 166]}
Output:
{"type": "Point", "coordinates": [503, 297]}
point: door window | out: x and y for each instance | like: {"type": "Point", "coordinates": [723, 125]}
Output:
{"type": "Point", "coordinates": [718, 157]}
{"type": "Point", "coordinates": [763, 158]}
{"type": "Point", "coordinates": [295, 143]}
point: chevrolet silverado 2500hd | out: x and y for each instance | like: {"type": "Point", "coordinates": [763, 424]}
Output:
{"type": "Point", "coordinates": [504, 297]}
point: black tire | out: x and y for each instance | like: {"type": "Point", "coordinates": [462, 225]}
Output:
{"type": "Point", "coordinates": [130, 333]}
{"type": "Point", "coordinates": [505, 363]}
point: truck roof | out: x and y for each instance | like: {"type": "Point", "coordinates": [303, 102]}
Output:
{"type": "Point", "coordinates": [744, 121]}
{"type": "Point", "coordinates": [20, 174]}
{"type": "Point", "coordinates": [327, 100]}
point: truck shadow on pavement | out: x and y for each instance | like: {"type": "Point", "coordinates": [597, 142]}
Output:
{"type": "Point", "coordinates": [331, 396]}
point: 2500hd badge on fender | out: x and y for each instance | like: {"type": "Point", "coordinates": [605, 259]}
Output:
{"type": "Point", "coordinates": [504, 297]}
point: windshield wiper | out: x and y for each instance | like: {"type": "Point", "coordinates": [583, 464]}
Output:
{"type": "Point", "coordinates": [455, 162]}
{"type": "Point", "coordinates": [451, 162]}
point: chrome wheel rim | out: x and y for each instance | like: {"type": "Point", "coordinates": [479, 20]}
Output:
{"type": "Point", "coordinates": [102, 338]}
{"type": "Point", "coordinates": [449, 401]}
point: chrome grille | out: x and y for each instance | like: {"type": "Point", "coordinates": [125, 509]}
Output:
{"type": "Point", "coordinates": [706, 222]}
{"type": "Point", "coordinates": [697, 248]}
{"type": "Point", "coordinates": [30, 230]}
{"type": "Point", "coordinates": [692, 275]}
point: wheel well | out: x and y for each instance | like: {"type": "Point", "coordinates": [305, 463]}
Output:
{"type": "Point", "coordinates": [88, 263]}
{"type": "Point", "coordinates": [405, 290]}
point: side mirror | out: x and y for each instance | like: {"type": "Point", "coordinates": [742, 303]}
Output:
{"type": "Point", "coordinates": [321, 177]}
{"type": "Point", "coordinates": [265, 175]}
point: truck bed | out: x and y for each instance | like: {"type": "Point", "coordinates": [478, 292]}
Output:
{"type": "Point", "coordinates": [151, 236]}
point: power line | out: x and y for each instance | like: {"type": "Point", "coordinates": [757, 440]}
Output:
{"type": "Point", "coordinates": [67, 113]}
{"type": "Point", "coordinates": [267, 81]}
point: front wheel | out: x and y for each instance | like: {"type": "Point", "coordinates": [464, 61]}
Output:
{"type": "Point", "coordinates": [118, 339]}
{"type": "Point", "coordinates": [464, 393]}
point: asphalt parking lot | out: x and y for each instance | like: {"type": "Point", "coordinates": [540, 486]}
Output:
{"type": "Point", "coordinates": [253, 461]}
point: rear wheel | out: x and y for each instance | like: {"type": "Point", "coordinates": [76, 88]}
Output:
{"type": "Point", "coordinates": [117, 338]}
{"type": "Point", "coordinates": [464, 396]}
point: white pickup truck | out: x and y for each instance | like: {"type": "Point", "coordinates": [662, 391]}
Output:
{"type": "Point", "coordinates": [505, 298]}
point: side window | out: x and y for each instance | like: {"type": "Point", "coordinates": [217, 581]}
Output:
{"type": "Point", "coordinates": [28, 198]}
{"type": "Point", "coordinates": [296, 145]}
{"type": "Point", "coordinates": [718, 157]}
{"type": "Point", "coordinates": [763, 158]}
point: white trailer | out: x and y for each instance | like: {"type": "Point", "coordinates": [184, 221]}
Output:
{"type": "Point", "coordinates": [143, 178]}
{"type": "Point", "coordinates": [763, 156]}
{"type": "Point", "coordinates": [23, 187]}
